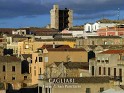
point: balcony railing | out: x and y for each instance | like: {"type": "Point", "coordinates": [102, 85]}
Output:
{"type": "Point", "coordinates": [117, 78]}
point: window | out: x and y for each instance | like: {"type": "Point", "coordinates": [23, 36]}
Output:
{"type": "Point", "coordinates": [40, 70]}
{"type": "Point", "coordinates": [102, 61]}
{"type": "Point", "coordinates": [114, 72]}
{"type": "Point", "coordinates": [108, 71]}
{"type": "Point", "coordinates": [98, 60]}
{"type": "Point", "coordinates": [93, 70]}
{"type": "Point", "coordinates": [46, 90]}
{"type": "Point", "coordinates": [34, 72]}
{"type": "Point", "coordinates": [4, 77]}
{"type": "Point", "coordinates": [88, 28]}
{"type": "Point", "coordinates": [13, 78]}
{"type": "Point", "coordinates": [13, 68]}
{"type": "Point", "coordinates": [95, 27]}
{"type": "Point", "coordinates": [36, 59]}
{"type": "Point", "coordinates": [49, 90]}
{"type": "Point", "coordinates": [107, 61]}
{"type": "Point", "coordinates": [88, 90]}
{"type": "Point", "coordinates": [101, 89]}
{"type": "Point", "coordinates": [40, 59]}
{"type": "Point", "coordinates": [99, 70]}
{"type": "Point", "coordinates": [104, 71]}
{"type": "Point", "coordinates": [4, 68]}
{"type": "Point", "coordinates": [120, 72]}
{"type": "Point", "coordinates": [25, 77]}
{"type": "Point", "coordinates": [46, 59]}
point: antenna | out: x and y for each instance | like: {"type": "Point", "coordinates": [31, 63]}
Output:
{"type": "Point", "coordinates": [118, 13]}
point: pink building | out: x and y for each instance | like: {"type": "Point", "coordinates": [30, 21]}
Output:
{"type": "Point", "coordinates": [110, 31]}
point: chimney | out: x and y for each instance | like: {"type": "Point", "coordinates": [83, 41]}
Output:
{"type": "Point", "coordinates": [53, 44]}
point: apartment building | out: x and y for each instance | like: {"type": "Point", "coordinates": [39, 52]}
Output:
{"type": "Point", "coordinates": [30, 45]}
{"type": "Point", "coordinates": [100, 43]}
{"type": "Point", "coordinates": [109, 63]}
{"type": "Point", "coordinates": [49, 54]}
{"type": "Point", "coordinates": [61, 19]}
{"type": "Point", "coordinates": [12, 42]}
{"type": "Point", "coordinates": [10, 72]}
{"type": "Point", "coordinates": [111, 31]}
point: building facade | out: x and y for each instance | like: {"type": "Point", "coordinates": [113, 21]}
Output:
{"type": "Point", "coordinates": [46, 56]}
{"type": "Point", "coordinates": [108, 63]}
{"type": "Point", "coordinates": [11, 72]}
{"type": "Point", "coordinates": [91, 27]}
{"type": "Point", "coordinates": [111, 31]}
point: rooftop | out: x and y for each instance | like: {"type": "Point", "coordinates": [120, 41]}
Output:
{"type": "Point", "coordinates": [103, 37]}
{"type": "Point", "coordinates": [57, 39]}
{"type": "Point", "coordinates": [56, 46]}
{"type": "Point", "coordinates": [112, 52]}
{"type": "Point", "coordinates": [9, 59]}
{"type": "Point", "coordinates": [74, 65]}
{"type": "Point", "coordinates": [66, 49]}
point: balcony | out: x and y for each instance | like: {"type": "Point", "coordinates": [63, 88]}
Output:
{"type": "Point", "coordinates": [116, 78]}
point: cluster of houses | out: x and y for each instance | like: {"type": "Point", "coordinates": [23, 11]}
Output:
{"type": "Point", "coordinates": [77, 61]}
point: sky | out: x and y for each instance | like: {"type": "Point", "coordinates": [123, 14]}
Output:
{"type": "Point", "coordinates": [36, 13]}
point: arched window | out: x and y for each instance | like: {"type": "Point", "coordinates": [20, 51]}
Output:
{"type": "Point", "coordinates": [88, 28]}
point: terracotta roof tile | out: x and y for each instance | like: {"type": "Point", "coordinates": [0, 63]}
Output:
{"type": "Point", "coordinates": [66, 49]}
{"type": "Point", "coordinates": [56, 46]}
{"type": "Point", "coordinates": [9, 59]}
{"type": "Point", "coordinates": [77, 65]}
{"type": "Point", "coordinates": [112, 52]}
{"type": "Point", "coordinates": [61, 48]}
